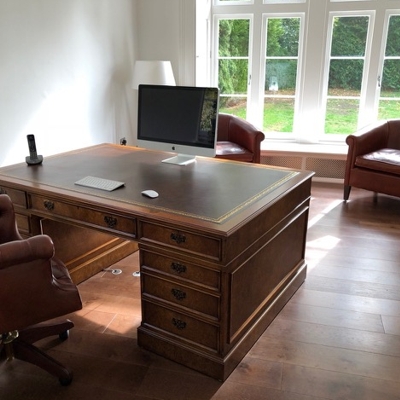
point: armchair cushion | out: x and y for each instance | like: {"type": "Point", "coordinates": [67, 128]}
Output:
{"type": "Point", "coordinates": [225, 148]}
{"type": "Point", "coordinates": [385, 160]}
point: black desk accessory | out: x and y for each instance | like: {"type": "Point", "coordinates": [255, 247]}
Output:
{"type": "Point", "coordinates": [33, 158]}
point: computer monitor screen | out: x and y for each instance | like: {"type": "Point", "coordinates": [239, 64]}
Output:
{"type": "Point", "coordinates": [179, 119]}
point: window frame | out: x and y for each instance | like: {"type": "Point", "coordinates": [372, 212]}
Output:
{"type": "Point", "coordinates": [389, 13]}
{"type": "Point", "coordinates": [263, 49]}
{"type": "Point", "coordinates": [367, 57]}
{"type": "Point", "coordinates": [313, 72]}
{"type": "Point", "coordinates": [233, 2]}
{"type": "Point", "coordinates": [284, 1]}
{"type": "Point", "coordinates": [215, 50]}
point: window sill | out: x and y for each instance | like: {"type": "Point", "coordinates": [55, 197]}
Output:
{"type": "Point", "coordinates": [329, 150]}
{"type": "Point", "coordinates": [327, 160]}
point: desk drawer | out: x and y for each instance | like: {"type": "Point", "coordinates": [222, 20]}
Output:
{"type": "Point", "coordinates": [180, 325]}
{"type": "Point", "coordinates": [18, 197]}
{"type": "Point", "coordinates": [180, 269]}
{"type": "Point", "coordinates": [181, 295]}
{"type": "Point", "coordinates": [204, 246]}
{"type": "Point", "coordinates": [85, 215]}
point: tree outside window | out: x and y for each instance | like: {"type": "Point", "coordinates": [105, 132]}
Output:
{"type": "Point", "coordinates": [233, 65]}
{"type": "Point", "coordinates": [347, 59]}
{"type": "Point", "coordinates": [281, 61]}
{"type": "Point", "coordinates": [389, 101]}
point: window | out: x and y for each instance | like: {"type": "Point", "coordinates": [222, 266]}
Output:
{"type": "Point", "coordinates": [307, 70]}
{"type": "Point", "coordinates": [281, 65]}
{"type": "Point", "coordinates": [389, 81]}
{"type": "Point", "coordinates": [233, 64]}
{"type": "Point", "coordinates": [227, 2]}
{"type": "Point", "coordinates": [283, 1]}
{"type": "Point", "coordinates": [345, 73]}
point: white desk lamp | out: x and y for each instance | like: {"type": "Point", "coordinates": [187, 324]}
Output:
{"type": "Point", "coordinates": [153, 72]}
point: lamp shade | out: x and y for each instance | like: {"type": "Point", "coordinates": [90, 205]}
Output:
{"type": "Point", "coordinates": [153, 72]}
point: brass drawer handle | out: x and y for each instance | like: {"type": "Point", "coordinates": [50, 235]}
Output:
{"type": "Point", "coordinates": [178, 238]}
{"type": "Point", "coordinates": [179, 324]}
{"type": "Point", "coordinates": [178, 294]}
{"type": "Point", "coordinates": [110, 221]}
{"type": "Point", "coordinates": [178, 268]}
{"type": "Point", "coordinates": [48, 205]}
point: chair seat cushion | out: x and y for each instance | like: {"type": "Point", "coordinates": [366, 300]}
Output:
{"type": "Point", "coordinates": [383, 160]}
{"type": "Point", "coordinates": [225, 147]}
{"type": "Point", "coordinates": [233, 151]}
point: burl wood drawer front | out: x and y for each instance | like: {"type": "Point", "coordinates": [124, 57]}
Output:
{"type": "Point", "coordinates": [85, 215]}
{"type": "Point", "coordinates": [181, 269]}
{"type": "Point", "coordinates": [18, 197]}
{"type": "Point", "coordinates": [180, 325]}
{"type": "Point", "coordinates": [202, 245]}
{"type": "Point", "coordinates": [181, 295]}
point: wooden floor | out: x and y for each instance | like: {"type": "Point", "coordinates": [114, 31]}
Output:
{"type": "Point", "coordinates": [337, 338]}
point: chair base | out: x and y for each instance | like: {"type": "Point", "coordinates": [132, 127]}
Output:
{"type": "Point", "coordinates": [23, 349]}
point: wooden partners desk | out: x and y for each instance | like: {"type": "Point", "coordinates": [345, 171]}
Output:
{"type": "Point", "coordinates": [221, 249]}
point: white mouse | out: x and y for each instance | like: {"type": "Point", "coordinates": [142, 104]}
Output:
{"type": "Point", "coordinates": [150, 193]}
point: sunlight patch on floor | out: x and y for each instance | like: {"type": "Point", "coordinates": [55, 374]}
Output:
{"type": "Point", "coordinates": [324, 212]}
{"type": "Point", "coordinates": [318, 248]}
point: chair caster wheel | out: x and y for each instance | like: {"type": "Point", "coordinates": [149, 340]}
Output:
{"type": "Point", "coordinates": [64, 335]}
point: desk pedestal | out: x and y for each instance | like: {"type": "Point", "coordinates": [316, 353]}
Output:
{"type": "Point", "coordinates": [206, 314]}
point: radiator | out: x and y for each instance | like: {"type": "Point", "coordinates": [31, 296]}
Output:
{"type": "Point", "coordinates": [327, 167]}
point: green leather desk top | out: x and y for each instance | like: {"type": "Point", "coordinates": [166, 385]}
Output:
{"type": "Point", "coordinates": [209, 189]}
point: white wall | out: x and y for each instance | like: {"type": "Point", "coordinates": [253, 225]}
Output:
{"type": "Point", "coordinates": [65, 74]}
{"type": "Point", "coordinates": [167, 32]}
{"type": "Point", "coordinates": [66, 68]}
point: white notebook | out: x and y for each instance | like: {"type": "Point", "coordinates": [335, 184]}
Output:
{"type": "Point", "coordinates": [99, 183]}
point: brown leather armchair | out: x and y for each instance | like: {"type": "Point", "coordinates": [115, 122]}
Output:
{"type": "Point", "coordinates": [373, 159]}
{"type": "Point", "coordinates": [238, 139]}
{"type": "Point", "coordinates": [34, 287]}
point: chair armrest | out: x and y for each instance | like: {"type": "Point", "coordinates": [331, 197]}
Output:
{"type": "Point", "coordinates": [368, 139]}
{"type": "Point", "coordinates": [250, 140]}
{"type": "Point", "coordinates": [26, 250]}
{"type": "Point", "coordinates": [245, 135]}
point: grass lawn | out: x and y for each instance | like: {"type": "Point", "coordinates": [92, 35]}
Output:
{"type": "Point", "coordinates": [341, 115]}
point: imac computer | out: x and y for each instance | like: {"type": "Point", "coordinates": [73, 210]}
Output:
{"type": "Point", "coordinates": [179, 119]}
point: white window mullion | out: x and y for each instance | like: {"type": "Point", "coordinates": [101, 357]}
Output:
{"type": "Point", "coordinates": [368, 110]}
{"type": "Point", "coordinates": [254, 107]}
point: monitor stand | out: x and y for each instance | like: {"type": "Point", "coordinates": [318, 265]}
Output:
{"type": "Point", "coordinates": [180, 159]}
